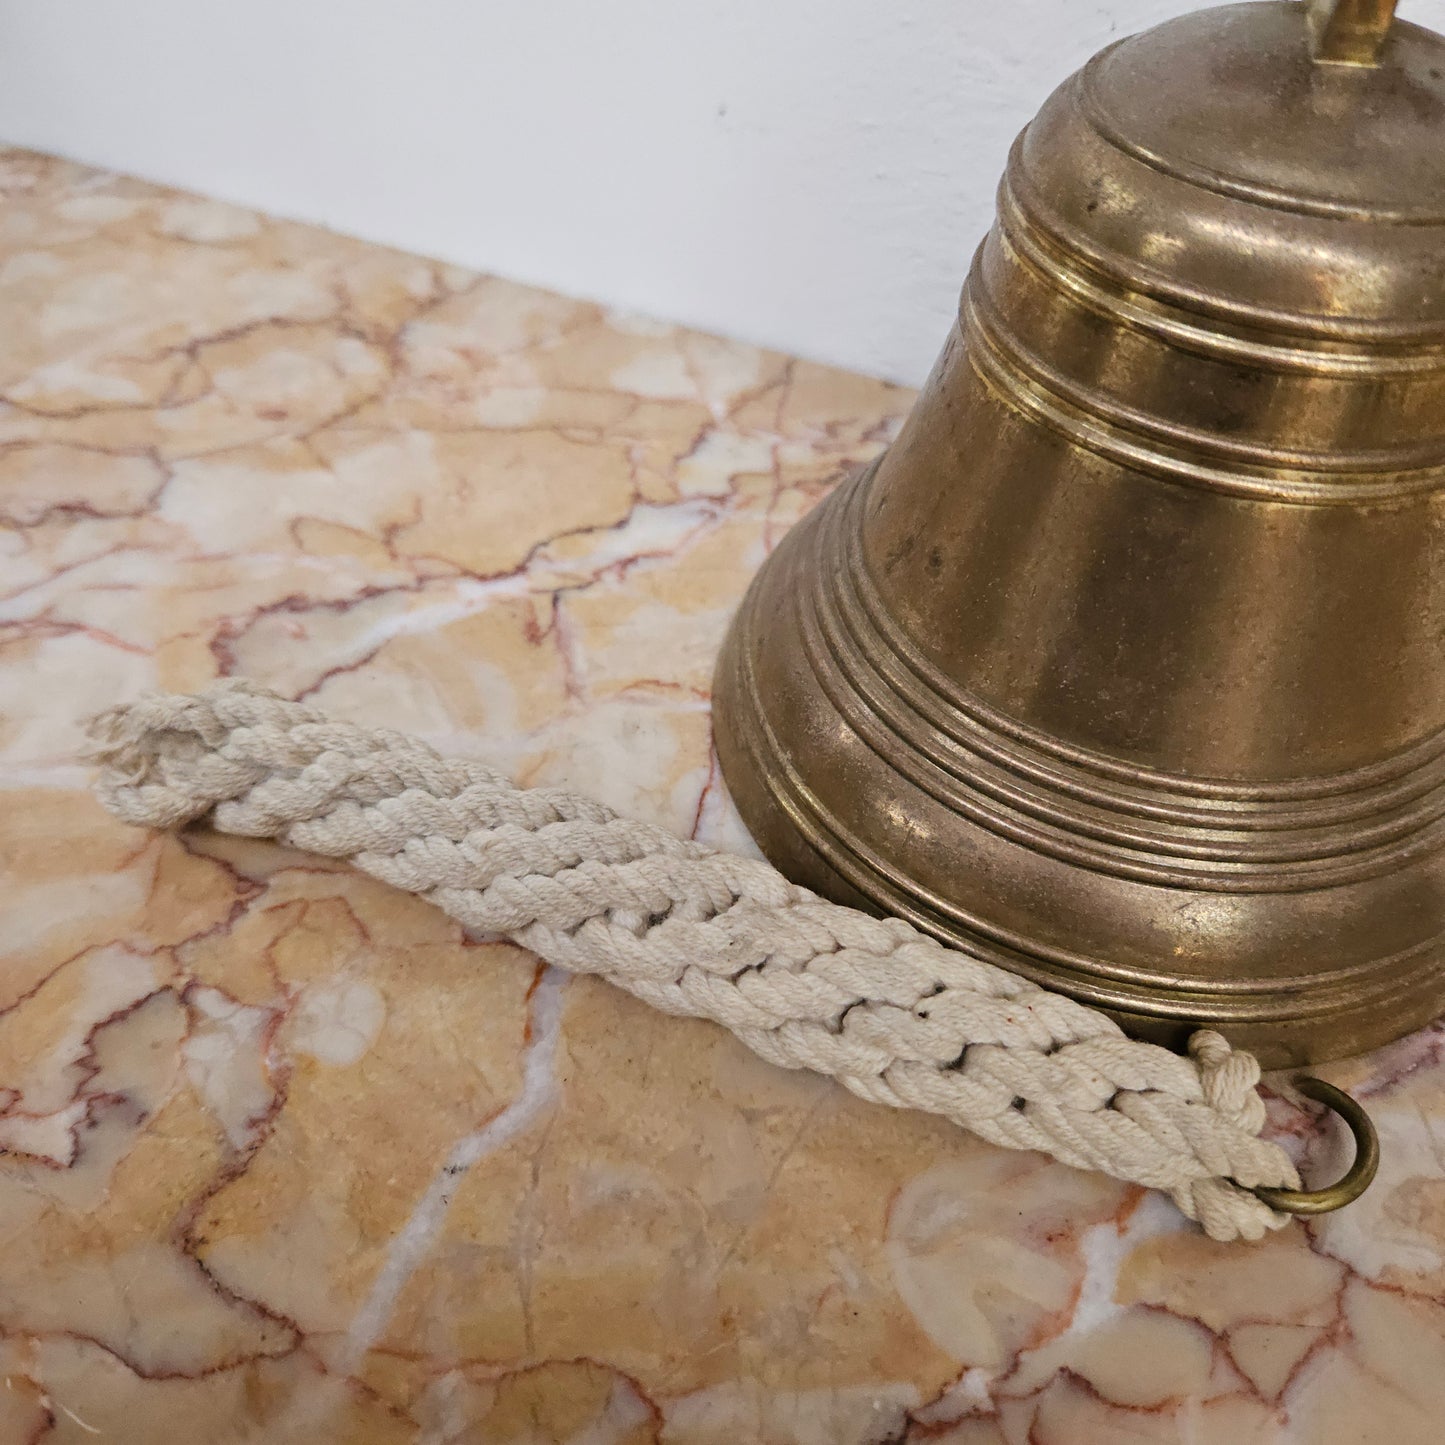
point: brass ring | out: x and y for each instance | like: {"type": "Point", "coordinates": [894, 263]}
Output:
{"type": "Point", "coordinates": [1361, 1172]}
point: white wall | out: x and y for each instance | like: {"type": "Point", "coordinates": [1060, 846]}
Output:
{"type": "Point", "coordinates": [810, 174]}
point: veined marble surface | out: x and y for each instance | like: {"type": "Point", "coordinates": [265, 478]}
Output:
{"type": "Point", "coordinates": [283, 1157]}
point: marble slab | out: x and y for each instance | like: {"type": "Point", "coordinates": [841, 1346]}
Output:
{"type": "Point", "coordinates": [283, 1156]}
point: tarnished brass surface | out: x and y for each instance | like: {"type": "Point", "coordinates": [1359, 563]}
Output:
{"type": "Point", "coordinates": [1125, 666]}
{"type": "Point", "coordinates": [1357, 1178]}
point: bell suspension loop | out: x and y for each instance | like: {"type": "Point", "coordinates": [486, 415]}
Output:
{"type": "Point", "coordinates": [1350, 32]}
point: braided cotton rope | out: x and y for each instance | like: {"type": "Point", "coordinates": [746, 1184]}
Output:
{"type": "Point", "coordinates": [891, 1013]}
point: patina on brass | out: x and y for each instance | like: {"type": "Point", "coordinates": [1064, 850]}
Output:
{"type": "Point", "coordinates": [1357, 1178]}
{"type": "Point", "coordinates": [1125, 666]}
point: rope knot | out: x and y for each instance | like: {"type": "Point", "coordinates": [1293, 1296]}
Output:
{"type": "Point", "coordinates": [1229, 1078]}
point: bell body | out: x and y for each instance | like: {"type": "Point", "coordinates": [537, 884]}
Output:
{"type": "Point", "coordinates": [1124, 668]}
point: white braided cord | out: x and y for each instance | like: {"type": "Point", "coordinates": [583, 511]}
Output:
{"type": "Point", "coordinates": [891, 1013]}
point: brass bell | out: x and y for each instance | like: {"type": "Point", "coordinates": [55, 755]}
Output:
{"type": "Point", "coordinates": [1124, 668]}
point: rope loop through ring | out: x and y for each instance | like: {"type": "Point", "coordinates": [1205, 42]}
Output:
{"type": "Point", "coordinates": [892, 1014]}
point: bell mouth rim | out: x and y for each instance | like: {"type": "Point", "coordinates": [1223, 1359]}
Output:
{"type": "Point", "coordinates": [1332, 1009]}
{"type": "Point", "coordinates": [888, 885]}
{"type": "Point", "coordinates": [1287, 1020]}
